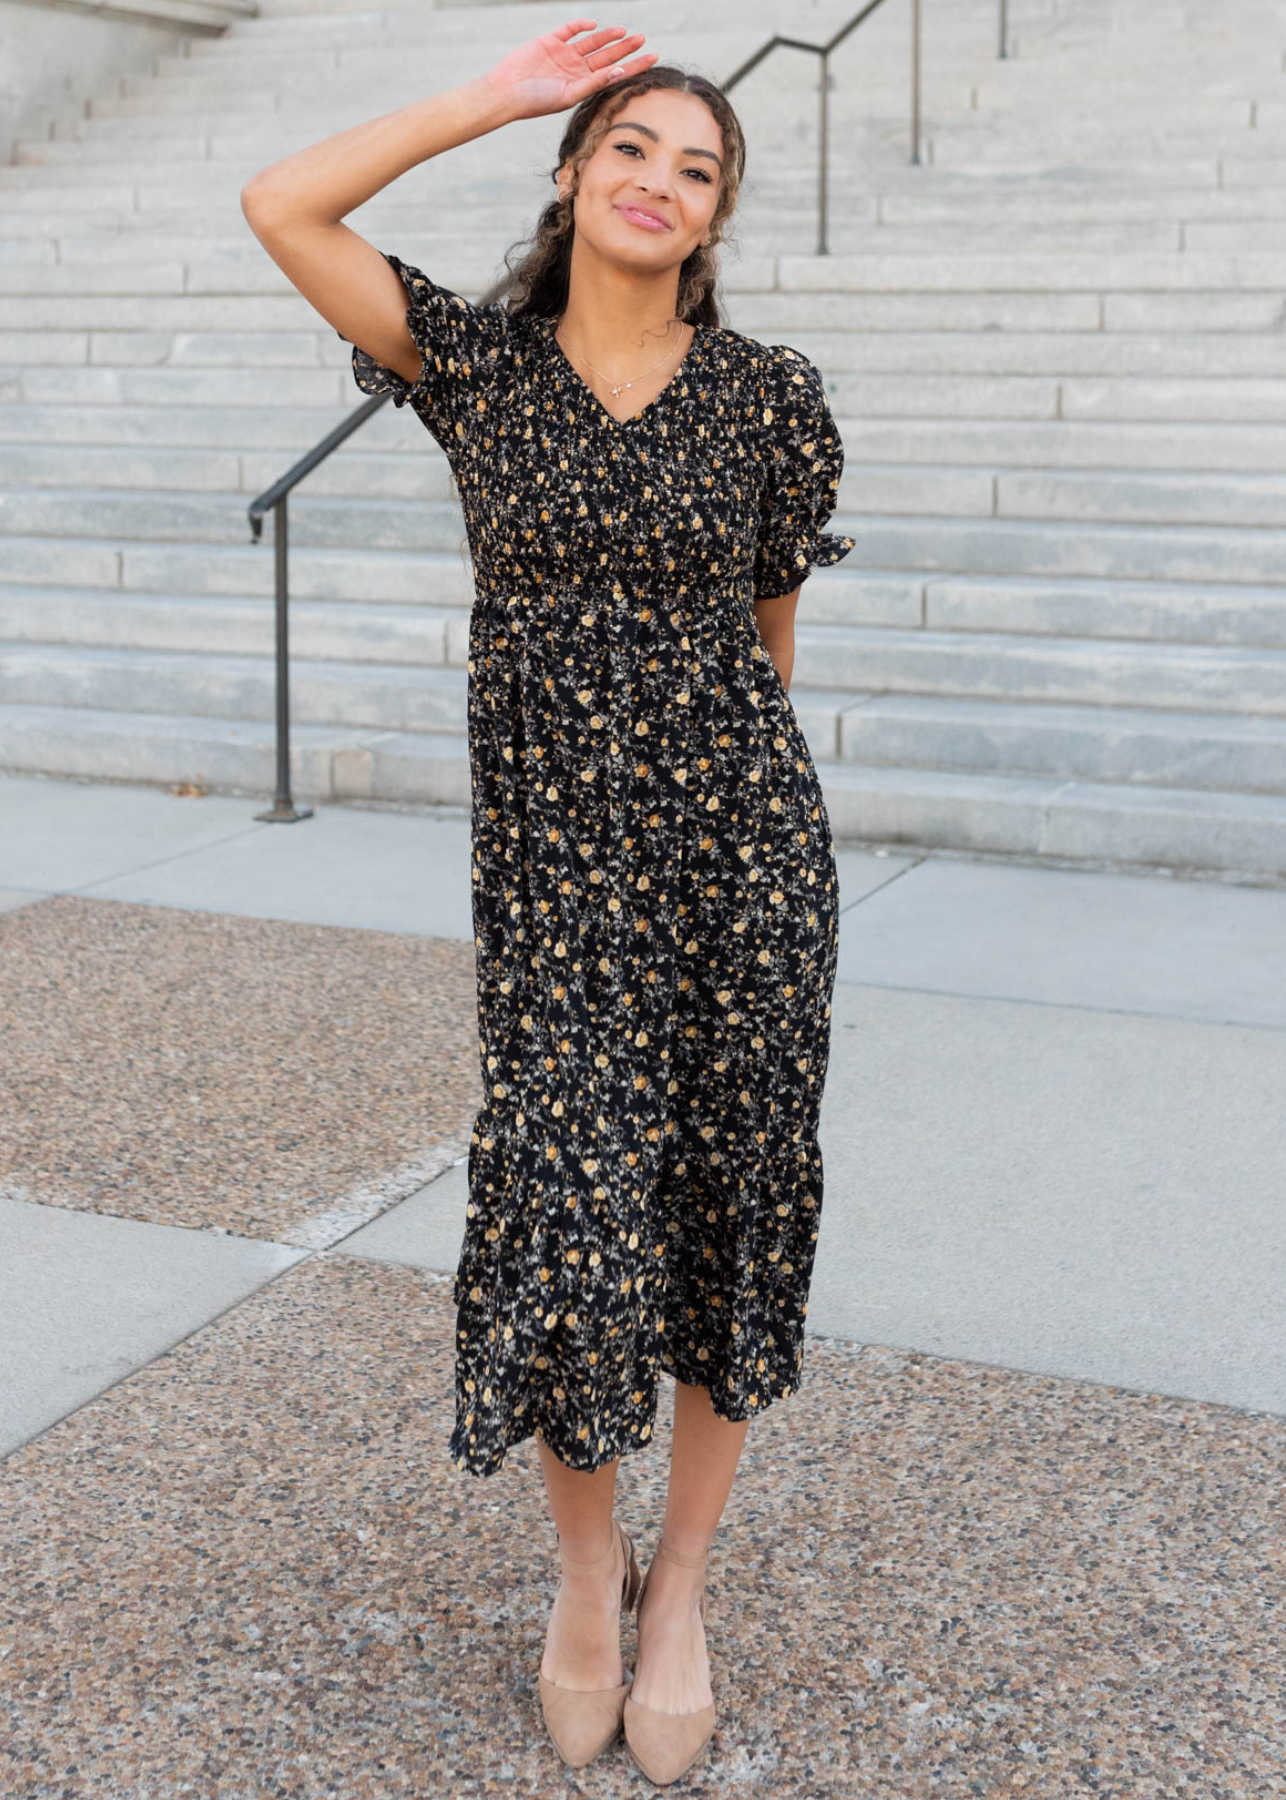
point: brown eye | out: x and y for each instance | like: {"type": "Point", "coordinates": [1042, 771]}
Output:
{"type": "Point", "coordinates": [627, 144]}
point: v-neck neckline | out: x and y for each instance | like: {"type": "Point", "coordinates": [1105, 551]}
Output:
{"type": "Point", "coordinates": [655, 401]}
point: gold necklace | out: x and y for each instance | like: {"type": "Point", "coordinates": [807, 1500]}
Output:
{"type": "Point", "coordinates": [620, 384]}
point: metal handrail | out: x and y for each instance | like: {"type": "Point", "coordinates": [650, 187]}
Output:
{"type": "Point", "coordinates": [778, 42]}
{"type": "Point", "coordinates": [283, 810]}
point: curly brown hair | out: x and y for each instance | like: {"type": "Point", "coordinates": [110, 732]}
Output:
{"type": "Point", "coordinates": [538, 284]}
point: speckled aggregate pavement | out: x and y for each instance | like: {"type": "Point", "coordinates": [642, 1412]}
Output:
{"type": "Point", "coordinates": [276, 1080]}
{"type": "Point", "coordinates": [247, 1568]}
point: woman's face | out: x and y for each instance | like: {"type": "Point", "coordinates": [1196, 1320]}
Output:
{"type": "Point", "coordinates": [659, 159]}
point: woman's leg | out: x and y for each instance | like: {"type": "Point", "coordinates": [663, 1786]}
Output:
{"type": "Point", "coordinates": [583, 1642]}
{"type": "Point", "coordinates": [672, 1673]}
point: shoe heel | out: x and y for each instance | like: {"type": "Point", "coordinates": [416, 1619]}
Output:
{"type": "Point", "coordinates": [633, 1577]}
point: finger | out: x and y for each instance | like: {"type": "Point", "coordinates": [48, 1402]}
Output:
{"type": "Point", "coordinates": [601, 36]}
{"type": "Point", "coordinates": [635, 66]}
{"type": "Point", "coordinates": [615, 51]}
{"type": "Point", "coordinates": [608, 37]}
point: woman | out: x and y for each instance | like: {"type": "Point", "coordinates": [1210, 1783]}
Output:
{"type": "Point", "coordinates": [654, 887]}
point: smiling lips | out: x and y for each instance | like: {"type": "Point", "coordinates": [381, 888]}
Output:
{"type": "Point", "coordinates": [640, 216]}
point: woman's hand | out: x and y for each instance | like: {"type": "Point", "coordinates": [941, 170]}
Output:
{"type": "Point", "coordinates": [549, 73]}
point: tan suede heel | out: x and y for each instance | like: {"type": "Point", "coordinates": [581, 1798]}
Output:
{"type": "Point", "coordinates": [583, 1721]}
{"type": "Point", "coordinates": [665, 1745]}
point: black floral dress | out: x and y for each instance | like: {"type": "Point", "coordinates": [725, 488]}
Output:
{"type": "Point", "coordinates": [654, 888]}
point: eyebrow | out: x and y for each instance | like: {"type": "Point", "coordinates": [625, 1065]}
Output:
{"type": "Point", "coordinates": [691, 149]}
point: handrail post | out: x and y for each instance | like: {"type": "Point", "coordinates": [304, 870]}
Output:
{"type": "Point", "coordinates": [1004, 27]}
{"type": "Point", "coordinates": [915, 81]}
{"type": "Point", "coordinates": [823, 132]}
{"type": "Point", "coordinates": [283, 810]}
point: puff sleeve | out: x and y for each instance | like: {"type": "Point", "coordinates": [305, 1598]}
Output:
{"type": "Point", "coordinates": [805, 460]}
{"type": "Point", "coordinates": [460, 343]}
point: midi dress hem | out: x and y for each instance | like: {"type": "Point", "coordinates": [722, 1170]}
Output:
{"type": "Point", "coordinates": [573, 1450]}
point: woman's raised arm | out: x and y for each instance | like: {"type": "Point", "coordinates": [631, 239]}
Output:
{"type": "Point", "coordinates": [295, 207]}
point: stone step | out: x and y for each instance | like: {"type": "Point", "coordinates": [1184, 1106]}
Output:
{"type": "Point", "coordinates": [1129, 824]}
{"type": "Point", "coordinates": [190, 388]}
{"type": "Point", "coordinates": [1218, 66]}
{"type": "Point", "coordinates": [1234, 614]}
{"type": "Point", "coordinates": [213, 518]}
{"type": "Point", "coordinates": [253, 146]}
{"type": "Point", "coordinates": [1231, 613]}
{"type": "Point", "coordinates": [1049, 353]}
{"type": "Point", "coordinates": [346, 473]}
{"type": "Point", "coordinates": [199, 349]}
{"type": "Point", "coordinates": [403, 697]}
{"type": "Point", "coordinates": [1011, 666]}
{"type": "Point", "coordinates": [1252, 171]}
{"type": "Point", "coordinates": [241, 569]}
{"type": "Point", "coordinates": [1234, 98]}
{"type": "Point", "coordinates": [140, 188]}
{"type": "Point", "coordinates": [374, 78]}
{"type": "Point", "coordinates": [957, 17]}
{"type": "Point", "coordinates": [211, 231]}
{"type": "Point", "coordinates": [961, 57]}
{"type": "Point", "coordinates": [768, 315]}
{"type": "Point", "coordinates": [288, 431]}
{"type": "Point", "coordinates": [1134, 745]}
{"type": "Point", "coordinates": [1008, 270]}
{"type": "Point", "coordinates": [358, 600]}
{"type": "Point", "coordinates": [927, 542]}
{"type": "Point", "coordinates": [115, 298]}
{"type": "Point", "coordinates": [1003, 143]}
{"type": "Point", "coordinates": [851, 230]}
{"type": "Point", "coordinates": [450, 25]}
{"type": "Point", "coordinates": [838, 662]}
{"type": "Point", "coordinates": [362, 695]}
{"type": "Point", "coordinates": [1128, 354]}
{"type": "Point", "coordinates": [306, 111]}
{"type": "Point", "coordinates": [1115, 496]}
{"type": "Point", "coordinates": [881, 135]}
{"type": "Point", "coordinates": [232, 756]}
{"type": "Point", "coordinates": [120, 181]}
{"type": "Point", "coordinates": [117, 232]}
{"type": "Point", "coordinates": [252, 151]}
{"type": "Point", "coordinates": [936, 201]}
{"type": "Point", "coordinates": [1098, 742]}
{"type": "Point", "coordinates": [1112, 824]}
{"type": "Point", "coordinates": [228, 624]}
{"type": "Point", "coordinates": [1227, 399]}
{"type": "Point", "coordinates": [1119, 552]}
{"type": "Point", "coordinates": [953, 37]}
{"type": "Point", "coordinates": [1125, 496]}
{"type": "Point", "coordinates": [366, 75]}
{"type": "Point", "coordinates": [295, 83]}
{"type": "Point", "coordinates": [206, 218]}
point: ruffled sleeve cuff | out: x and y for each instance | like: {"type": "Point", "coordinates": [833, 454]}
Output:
{"type": "Point", "coordinates": [801, 490]}
{"type": "Point", "coordinates": [459, 343]}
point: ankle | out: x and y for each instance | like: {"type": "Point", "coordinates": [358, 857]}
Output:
{"type": "Point", "coordinates": [589, 1555]}
{"type": "Point", "coordinates": [684, 1554]}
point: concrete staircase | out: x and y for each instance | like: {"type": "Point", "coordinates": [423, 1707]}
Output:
{"type": "Point", "coordinates": [1056, 350]}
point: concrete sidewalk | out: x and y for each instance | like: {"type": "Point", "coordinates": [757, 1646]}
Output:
{"type": "Point", "coordinates": [1053, 1129]}
{"type": "Point", "coordinates": [1032, 1474]}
